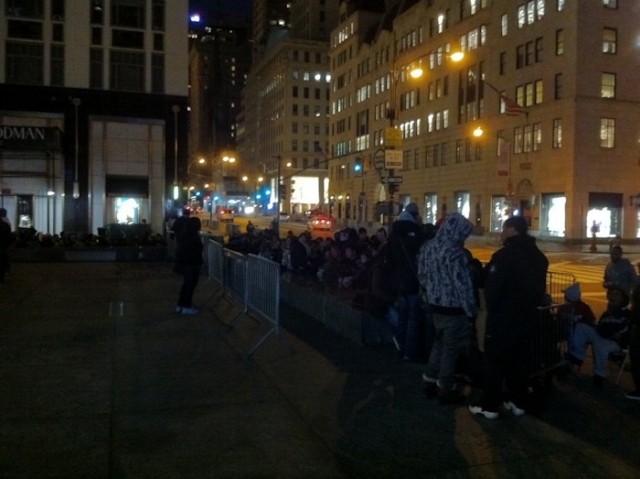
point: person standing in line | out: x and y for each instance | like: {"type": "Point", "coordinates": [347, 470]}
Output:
{"type": "Point", "coordinates": [400, 255]}
{"type": "Point", "coordinates": [619, 273]}
{"type": "Point", "coordinates": [444, 271]}
{"type": "Point", "coordinates": [6, 238]}
{"type": "Point", "coordinates": [189, 261]}
{"type": "Point", "coordinates": [515, 287]}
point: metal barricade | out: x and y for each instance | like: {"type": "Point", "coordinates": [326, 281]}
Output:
{"type": "Point", "coordinates": [215, 261]}
{"type": "Point", "coordinates": [235, 280]}
{"type": "Point", "coordinates": [550, 340]}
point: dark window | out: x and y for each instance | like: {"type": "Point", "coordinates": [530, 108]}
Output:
{"type": "Point", "coordinates": [57, 10]}
{"type": "Point", "coordinates": [25, 63]}
{"type": "Point", "coordinates": [23, 29]}
{"type": "Point", "coordinates": [157, 73]}
{"type": "Point", "coordinates": [97, 13]}
{"type": "Point", "coordinates": [128, 13]}
{"type": "Point", "coordinates": [96, 69]}
{"type": "Point", "coordinates": [158, 42]}
{"type": "Point", "coordinates": [127, 39]}
{"type": "Point", "coordinates": [157, 15]}
{"type": "Point", "coordinates": [96, 36]}
{"type": "Point", "coordinates": [127, 71]}
{"type": "Point", "coordinates": [57, 65]}
{"type": "Point", "coordinates": [25, 8]}
{"type": "Point", "coordinates": [57, 33]}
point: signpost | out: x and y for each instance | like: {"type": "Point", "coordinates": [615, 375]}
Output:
{"type": "Point", "coordinates": [392, 180]}
{"type": "Point", "coordinates": [392, 159]}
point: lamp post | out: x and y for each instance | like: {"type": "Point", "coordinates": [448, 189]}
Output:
{"type": "Point", "coordinates": [277, 218]}
{"type": "Point", "coordinates": [175, 109]}
{"type": "Point", "coordinates": [76, 186]}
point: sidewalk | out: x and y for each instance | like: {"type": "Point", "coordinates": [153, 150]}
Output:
{"type": "Point", "coordinates": [101, 379]}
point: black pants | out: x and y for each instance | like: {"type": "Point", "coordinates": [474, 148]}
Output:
{"type": "Point", "coordinates": [507, 362]}
{"type": "Point", "coordinates": [190, 275]}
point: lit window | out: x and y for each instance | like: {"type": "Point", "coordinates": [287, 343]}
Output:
{"type": "Point", "coordinates": [608, 89]}
{"type": "Point", "coordinates": [609, 40]}
{"type": "Point", "coordinates": [607, 132]}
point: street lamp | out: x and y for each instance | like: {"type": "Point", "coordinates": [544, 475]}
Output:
{"type": "Point", "coordinates": [176, 192]}
{"type": "Point", "coordinates": [76, 186]}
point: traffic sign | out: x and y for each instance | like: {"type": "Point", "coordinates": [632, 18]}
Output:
{"type": "Point", "coordinates": [392, 180]}
{"type": "Point", "coordinates": [392, 159]}
{"type": "Point", "coordinates": [392, 137]}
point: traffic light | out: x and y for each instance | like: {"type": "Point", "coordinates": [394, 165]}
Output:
{"type": "Point", "coordinates": [357, 167]}
{"type": "Point", "coordinates": [283, 192]}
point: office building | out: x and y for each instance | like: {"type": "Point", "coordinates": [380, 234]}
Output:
{"type": "Point", "coordinates": [93, 108]}
{"type": "Point", "coordinates": [540, 117]}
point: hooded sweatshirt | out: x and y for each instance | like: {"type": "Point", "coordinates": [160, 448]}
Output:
{"type": "Point", "coordinates": [443, 268]}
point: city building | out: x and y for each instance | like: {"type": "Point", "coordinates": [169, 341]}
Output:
{"type": "Point", "coordinates": [219, 62]}
{"type": "Point", "coordinates": [540, 117]}
{"type": "Point", "coordinates": [93, 110]}
{"type": "Point", "coordinates": [284, 122]}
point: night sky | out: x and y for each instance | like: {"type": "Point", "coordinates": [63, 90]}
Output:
{"type": "Point", "coordinates": [235, 7]}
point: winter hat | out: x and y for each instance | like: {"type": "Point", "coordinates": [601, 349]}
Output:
{"type": "Point", "coordinates": [572, 293]}
{"type": "Point", "coordinates": [412, 208]}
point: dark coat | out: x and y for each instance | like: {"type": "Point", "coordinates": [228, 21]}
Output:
{"type": "Point", "coordinates": [515, 286]}
{"type": "Point", "coordinates": [189, 248]}
{"type": "Point", "coordinates": [403, 245]}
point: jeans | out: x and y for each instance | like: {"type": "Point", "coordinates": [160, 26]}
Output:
{"type": "Point", "coordinates": [409, 326]}
{"type": "Point", "coordinates": [451, 340]}
{"type": "Point", "coordinates": [190, 275]}
{"type": "Point", "coordinates": [583, 334]}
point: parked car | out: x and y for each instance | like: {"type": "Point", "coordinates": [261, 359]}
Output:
{"type": "Point", "coordinates": [284, 216]}
{"type": "Point", "coordinates": [225, 215]}
{"type": "Point", "coordinates": [322, 222]}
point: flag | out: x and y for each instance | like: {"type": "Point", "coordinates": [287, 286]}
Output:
{"type": "Point", "coordinates": [512, 107]}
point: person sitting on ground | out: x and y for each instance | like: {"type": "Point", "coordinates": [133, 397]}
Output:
{"type": "Point", "coordinates": [575, 308]}
{"type": "Point", "coordinates": [608, 336]}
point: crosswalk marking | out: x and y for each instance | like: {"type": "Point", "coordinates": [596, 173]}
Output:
{"type": "Point", "coordinates": [583, 273]}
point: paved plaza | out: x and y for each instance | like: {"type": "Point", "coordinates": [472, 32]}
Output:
{"type": "Point", "coordinates": [102, 379]}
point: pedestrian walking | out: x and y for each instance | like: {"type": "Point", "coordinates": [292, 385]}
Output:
{"type": "Point", "coordinates": [444, 272]}
{"type": "Point", "coordinates": [189, 262]}
{"type": "Point", "coordinates": [515, 286]}
{"type": "Point", "coordinates": [404, 242]}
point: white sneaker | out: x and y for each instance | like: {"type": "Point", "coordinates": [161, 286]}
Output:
{"type": "Point", "coordinates": [515, 410]}
{"type": "Point", "coordinates": [478, 411]}
{"type": "Point", "coordinates": [189, 311]}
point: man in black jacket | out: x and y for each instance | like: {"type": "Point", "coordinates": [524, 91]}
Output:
{"type": "Point", "coordinates": [402, 248]}
{"type": "Point", "coordinates": [515, 286]}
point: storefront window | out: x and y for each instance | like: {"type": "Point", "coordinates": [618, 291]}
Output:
{"type": "Point", "coordinates": [430, 209]}
{"type": "Point", "coordinates": [462, 203]}
{"type": "Point", "coordinates": [553, 219]}
{"type": "Point", "coordinates": [127, 211]}
{"type": "Point", "coordinates": [604, 216]}
{"type": "Point", "coordinates": [499, 213]}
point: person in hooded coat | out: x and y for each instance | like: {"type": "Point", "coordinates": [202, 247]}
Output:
{"type": "Point", "coordinates": [444, 272]}
{"type": "Point", "coordinates": [400, 257]}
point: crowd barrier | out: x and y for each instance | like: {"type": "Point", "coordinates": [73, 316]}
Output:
{"type": "Point", "coordinates": [557, 283]}
{"type": "Point", "coordinates": [251, 282]}
{"type": "Point", "coordinates": [550, 345]}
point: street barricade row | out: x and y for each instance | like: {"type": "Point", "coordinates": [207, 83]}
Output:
{"type": "Point", "coordinates": [552, 334]}
{"type": "Point", "coordinates": [249, 281]}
